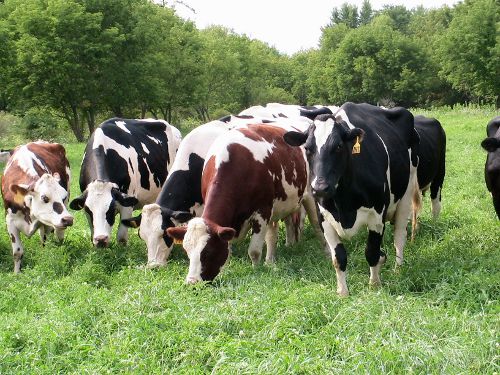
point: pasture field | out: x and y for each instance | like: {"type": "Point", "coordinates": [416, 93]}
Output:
{"type": "Point", "coordinates": [79, 310]}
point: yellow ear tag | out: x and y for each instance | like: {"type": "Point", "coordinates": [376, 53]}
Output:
{"type": "Point", "coordinates": [177, 242]}
{"type": "Point", "coordinates": [19, 198]}
{"type": "Point", "coordinates": [356, 149]}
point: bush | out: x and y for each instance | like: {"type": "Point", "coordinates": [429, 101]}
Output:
{"type": "Point", "coordinates": [43, 124]}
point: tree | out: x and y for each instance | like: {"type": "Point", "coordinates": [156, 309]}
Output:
{"type": "Point", "coordinates": [366, 13]}
{"type": "Point", "coordinates": [469, 53]}
{"type": "Point", "coordinates": [347, 14]}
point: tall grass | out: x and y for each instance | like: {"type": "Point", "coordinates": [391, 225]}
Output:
{"type": "Point", "coordinates": [76, 309]}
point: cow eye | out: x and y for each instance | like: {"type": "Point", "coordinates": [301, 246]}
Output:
{"type": "Point", "coordinates": [45, 199]}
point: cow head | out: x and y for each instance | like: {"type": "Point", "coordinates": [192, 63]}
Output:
{"type": "Point", "coordinates": [491, 144]}
{"type": "Point", "coordinates": [46, 199]}
{"type": "Point", "coordinates": [153, 224]}
{"type": "Point", "coordinates": [329, 147]}
{"type": "Point", "coordinates": [207, 247]}
{"type": "Point", "coordinates": [100, 201]}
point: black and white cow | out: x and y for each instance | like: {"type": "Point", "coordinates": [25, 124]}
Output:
{"type": "Point", "coordinates": [431, 165]}
{"type": "Point", "coordinates": [278, 110]}
{"type": "Point", "coordinates": [364, 164]}
{"type": "Point", "coordinates": [35, 191]}
{"type": "Point", "coordinates": [124, 167]}
{"type": "Point", "coordinates": [492, 166]}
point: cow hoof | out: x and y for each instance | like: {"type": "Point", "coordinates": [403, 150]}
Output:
{"type": "Point", "coordinates": [154, 264]}
{"type": "Point", "coordinates": [375, 283]}
{"type": "Point", "coordinates": [342, 293]}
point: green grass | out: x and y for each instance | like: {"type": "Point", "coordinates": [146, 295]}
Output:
{"type": "Point", "coordinates": [78, 310]}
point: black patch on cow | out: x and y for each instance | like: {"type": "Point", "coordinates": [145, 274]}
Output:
{"type": "Point", "coordinates": [58, 207]}
{"type": "Point", "coordinates": [341, 256]}
{"type": "Point", "coordinates": [226, 118]}
{"type": "Point", "coordinates": [111, 213]}
{"type": "Point", "coordinates": [131, 166]}
{"type": "Point", "coordinates": [183, 188]}
{"type": "Point", "coordinates": [89, 213]}
{"type": "Point", "coordinates": [213, 258]}
{"type": "Point", "coordinates": [12, 238]}
{"type": "Point", "coordinates": [492, 165]}
{"type": "Point", "coordinates": [372, 250]}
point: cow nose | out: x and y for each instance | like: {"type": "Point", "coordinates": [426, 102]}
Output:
{"type": "Point", "coordinates": [101, 241]}
{"type": "Point", "coordinates": [67, 221]}
{"type": "Point", "coordinates": [320, 188]}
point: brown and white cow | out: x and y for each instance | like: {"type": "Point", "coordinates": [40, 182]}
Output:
{"type": "Point", "coordinates": [35, 191]}
{"type": "Point", "coordinates": [251, 179]}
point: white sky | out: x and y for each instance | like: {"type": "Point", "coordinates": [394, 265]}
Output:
{"type": "Point", "coordinates": [287, 25]}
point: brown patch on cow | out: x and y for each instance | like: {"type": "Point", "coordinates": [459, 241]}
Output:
{"type": "Point", "coordinates": [12, 238]}
{"type": "Point", "coordinates": [256, 227]}
{"type": "Point", "coordinates": [51, 155]}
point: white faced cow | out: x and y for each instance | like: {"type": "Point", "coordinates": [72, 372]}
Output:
{"type": "Point", "coordinates": [125, 165]}
{"type": "Point", "coordinates": [35, 191]}
{"type": "Point", "coordinates": [364, 173]}
{"type": "Point", "coordinates": [251, 179]}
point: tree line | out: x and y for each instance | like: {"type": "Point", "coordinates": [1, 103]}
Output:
{"type": "Point", "coordinates": [90, 59]}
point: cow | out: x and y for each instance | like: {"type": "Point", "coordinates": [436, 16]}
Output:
{"type": "Point", "coordinates": [125, 164]}
{"type": "Point", "coordinates": [431, 166]}
{"type": "Point", "coordinates": [180, 198]}
{"type": "Point", "coordinates": [251, 179]}
{"type": "Point", "coordinates": [35, 191]}
{"type": "Point", "coordinates": [492, 165]}
{"type": "Point", "coordinates": [363, 165]}
{"type": "Point", "coordinates": [277, 110]}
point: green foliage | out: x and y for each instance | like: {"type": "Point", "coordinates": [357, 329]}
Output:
{"type": "Point", "coordinates": [79, 310]}
{"type": "Point", "coordinates": [470, 50]}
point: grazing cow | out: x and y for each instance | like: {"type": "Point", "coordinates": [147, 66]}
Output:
{"type": "Point", "coordinates": [180, 198]}
{"type": "Point", "coordinates": [125, 165]}
{"type": "Point", "coordinates": [363, 162]}
{"type": "Point", "coordinates": [251, 179]}
{"type": "Point", "coordinates": [35, 191]}
{"type": "Point", "coordinates": [431, 165]}
{"type": "Point", "coordinates": [492, 166]}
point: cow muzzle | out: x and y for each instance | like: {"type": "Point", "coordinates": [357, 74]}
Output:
{"type": "Point", "coordinates": [321, 189]}
{"type": "Point", "coordinates": [101, 241]}
{"type": "Point", "coordinates": [66, 221]}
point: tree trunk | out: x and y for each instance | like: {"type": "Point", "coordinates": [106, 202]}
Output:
{"type": "Point", "coordinates": [71, 115]}
{"type": "Point", "coordinates": [90, 116]}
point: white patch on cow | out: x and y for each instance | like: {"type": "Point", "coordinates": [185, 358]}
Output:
{"type": "Point", "coordinates": [260, 150]}
{"type": "Point", "coordinates": [154, 139]}
{"type": "Point", "coordinates": [26, 160]}
{"type": "Point", "coordinates": [98, 201]}
{"type": "Point", "coordinates": [322, 132]}
{"type": "Point", "coordinates": [150, 231]}
{"type": "Point", "coordinates": [341, 113]}
{"type": "Point", "coordinates": [332, 239]}
{"type": "Point", "coordinates": [144, 148]}
{"type": "Point", "coordinates": [436, 205]}
{"type": "Point", "coordinates": [364, 216]}
{"type": "Point", "coordinates": [198, 141]}
{"type": "Point", "coordinates": [121, 125]}
{"type": "Point", "coordinates": [195, 240]}
{"type": "Point", "coordinates": [282, 208]}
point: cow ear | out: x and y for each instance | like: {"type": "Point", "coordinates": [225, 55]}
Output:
{"type": "Point", "coordinates": [181, 216]}
{"type": "Point", "coordinates": [124, 199]}
{"type": "Point", "coordinates": [133, 222]}
{"type": "Point", "coordinates": [295, 138]}
{"type": "Point", "coordinates": [20, 191]}
{"type": "Point", "coordinates": [177, 233]}
{"type": "Point", "coordinates": [490, 144]}
{"type": "Point", "coordinates": [356, 132]}
{"type": "Point", "coordinates": [226, 233]}
{"type": "Point", "coordinates": [79, 202]}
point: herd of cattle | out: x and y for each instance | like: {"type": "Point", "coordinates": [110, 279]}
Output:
{"type": "Point", "coordinates": [344, 167]}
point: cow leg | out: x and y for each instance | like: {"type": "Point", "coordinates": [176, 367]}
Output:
{"type": "Point", "coordinates": [271, 241]}
{"type": "Point", "coordinates": [374, 256]}
{"type": "Point", "coordinates": [294, 224]}
{"type": "Point", "coordinates": [313, 214]}
{"type": "Point", "coordinates": [339, 257]}
{"type": "Point", "coordinates": [401, 217]}
{"type": "Point", "coordinates": [122, 234]}
{"type": "Point", "coordinates": [436, 201]}
{"type": "Point", "coordinates": [17, 246]}
{"type": "Point", "coordinates": [59, 233]}
{"type": "Point", "coordinates": [43, 234]}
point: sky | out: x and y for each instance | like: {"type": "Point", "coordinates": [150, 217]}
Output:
{"type": "Point", "coordinates": [287, 25]}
